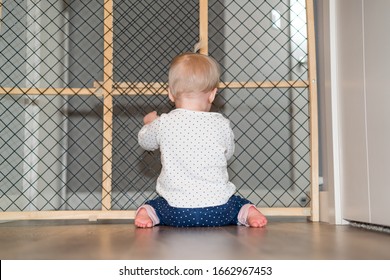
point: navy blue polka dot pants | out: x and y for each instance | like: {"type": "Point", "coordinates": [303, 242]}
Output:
{"type": "Point", "coordinates": [213, 216]}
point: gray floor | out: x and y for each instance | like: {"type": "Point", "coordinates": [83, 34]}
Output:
{"type": "Point", "coordinates": [281, 239]}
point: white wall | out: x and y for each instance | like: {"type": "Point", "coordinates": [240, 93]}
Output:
{"type": "Point", "coordinates": [328, 119]}
{"type": "Point", "coordinates": [358, 121]}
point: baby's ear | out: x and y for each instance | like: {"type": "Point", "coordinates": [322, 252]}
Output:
{"type": "Point", "coordinates": [170, 95]}
{"type": "Point", "coordinates": [212, 95]}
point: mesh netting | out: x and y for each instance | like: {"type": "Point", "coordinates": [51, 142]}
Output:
{"type": "Point", "coordinates": [52, 110]}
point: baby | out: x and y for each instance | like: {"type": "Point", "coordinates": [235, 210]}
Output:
{"type": "Point", "coordinates": [195, 145]}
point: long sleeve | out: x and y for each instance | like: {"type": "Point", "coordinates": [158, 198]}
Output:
{"type": "Point", "coordinates": [148, 137]}
{"type": "Point", "coordinates": [230, 144]}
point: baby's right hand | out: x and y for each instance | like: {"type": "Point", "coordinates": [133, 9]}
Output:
{"type": "Point", "coordinates": [150, 117]}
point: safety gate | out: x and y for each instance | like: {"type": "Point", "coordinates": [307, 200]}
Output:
{"type": "Point", "coordinates": [77, 77]}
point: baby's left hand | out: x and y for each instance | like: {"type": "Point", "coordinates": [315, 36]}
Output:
{"type": "Point", "coordinates": [150, 117]}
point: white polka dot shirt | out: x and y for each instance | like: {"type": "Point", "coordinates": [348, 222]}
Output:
{"type": "Point", "coordinates": [195, 147]}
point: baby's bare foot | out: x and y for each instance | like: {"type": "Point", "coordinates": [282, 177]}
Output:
{"type": "Point", "coordinates": [142, 219]}
{"type": "Point", "coordinates": [256, 218]}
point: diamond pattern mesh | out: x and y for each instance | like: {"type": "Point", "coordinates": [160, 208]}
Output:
{"type": "Point", "coordinates": [52, 110]}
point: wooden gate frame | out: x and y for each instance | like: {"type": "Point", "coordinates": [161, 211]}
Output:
{"type": "Point", "coordinates": [107, 89]}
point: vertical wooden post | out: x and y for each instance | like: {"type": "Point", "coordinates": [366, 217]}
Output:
{"type": "Point", "coordinates": [203, 27]}
{"type": "Point", "coordinates": [107, 104]}
{"type": "Point", "coordinates": [314, 160]}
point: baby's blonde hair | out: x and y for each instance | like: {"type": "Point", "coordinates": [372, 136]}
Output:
{"type": "Point", "coordinates": [193, 72]}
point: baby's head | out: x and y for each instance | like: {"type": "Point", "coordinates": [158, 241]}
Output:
{"type": "Point", "coordinates": [192, 73]}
